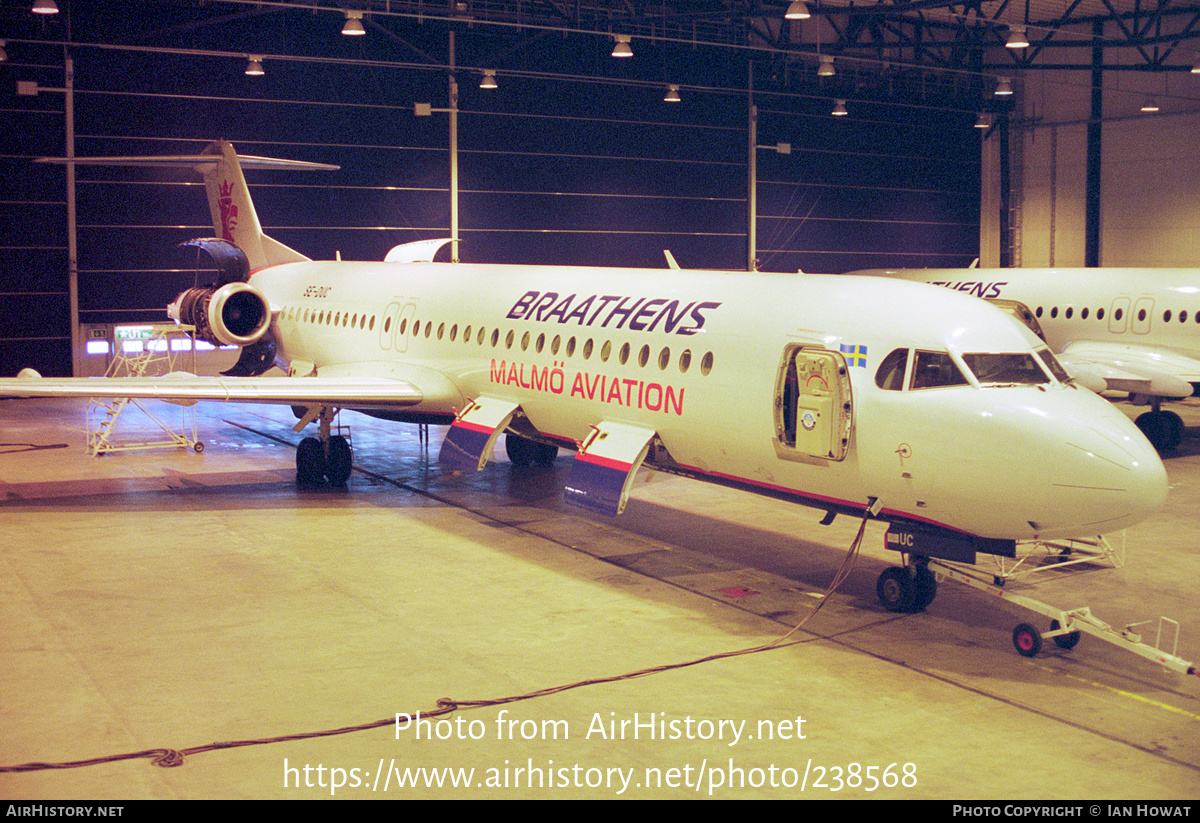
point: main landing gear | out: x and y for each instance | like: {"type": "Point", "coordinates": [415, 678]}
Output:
{"type": "Point", "coordinates": [326, 458]}
{"type": "Point", "coordinates": [1164, 429]}
{"type": "Point", "coordinates": [907, 589]}
{"type": "Point", "coordinates": [524, 452]}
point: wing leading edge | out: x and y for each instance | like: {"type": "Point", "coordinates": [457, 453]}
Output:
{"type": "Point", "coordinates": [1142, 370]}
{"type": "Point", "coordinates": [347, 392]}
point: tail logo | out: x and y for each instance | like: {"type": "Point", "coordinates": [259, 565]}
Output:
{"type": "Point", "coordinates": [229, 212]}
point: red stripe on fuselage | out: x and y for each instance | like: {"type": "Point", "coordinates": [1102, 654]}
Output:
{"type": "Point", "coordinates": [606, 462]}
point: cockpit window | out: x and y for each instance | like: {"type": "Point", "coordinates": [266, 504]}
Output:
{"type": "Point", "coordinates": [934, 369]}
{"type": "Point", "coordinates": [1056, 369]}
{"type": "Point", "coordinates": [1020, 367]}
{"type": "Point", "coordinates": [890, 374]}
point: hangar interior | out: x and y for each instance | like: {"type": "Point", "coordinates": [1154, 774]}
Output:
{"type": "Point", "coordinates": [170, 599]}
{"type": "Point", "coordinates": [575, 157]}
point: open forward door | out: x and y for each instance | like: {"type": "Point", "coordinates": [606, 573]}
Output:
{"type": "Point", "coordinates": [814, 413]}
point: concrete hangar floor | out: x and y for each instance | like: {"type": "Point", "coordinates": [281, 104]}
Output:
{"type": "Point", "coordinates": [169, 600]}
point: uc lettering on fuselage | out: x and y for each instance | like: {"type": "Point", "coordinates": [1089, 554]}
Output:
{"type": "Point", "coordinates": [641, 314]}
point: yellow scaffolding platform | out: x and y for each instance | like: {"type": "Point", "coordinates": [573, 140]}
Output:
{"type": "Point", "coordinates": [156, 357]}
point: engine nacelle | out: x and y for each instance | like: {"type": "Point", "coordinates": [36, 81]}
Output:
{"type": "Point", "coordinates": [236, 314]}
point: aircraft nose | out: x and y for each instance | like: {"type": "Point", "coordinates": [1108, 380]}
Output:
{"type": "Point", "coordinates": [1102, 475]}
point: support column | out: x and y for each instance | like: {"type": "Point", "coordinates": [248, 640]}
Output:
{"type": "Point", "coordinates": [77, 342]}
{"type": "Point", "coordinates": [752, 180]}
{"type": "Point", "coordinates": [453, 157]}
{"type": "Point", "coordinates": [1091, 248]}
{"type": "Point", "coordinates": [1006, 241]}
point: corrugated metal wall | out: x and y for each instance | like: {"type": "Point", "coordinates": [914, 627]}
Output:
{"type": "Point", "coordinates": [574, 159]}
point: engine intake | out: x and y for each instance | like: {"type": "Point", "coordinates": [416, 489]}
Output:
{"type": "Point", "coordinates": [235, 314]}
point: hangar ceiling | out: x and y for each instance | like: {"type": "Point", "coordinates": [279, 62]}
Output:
{"type": "Point", "coordinates": [927, 33]}
{"type": "Point", "coordinates": [931, 33]}
{"type": "Point", "coordinates": [904, 36]}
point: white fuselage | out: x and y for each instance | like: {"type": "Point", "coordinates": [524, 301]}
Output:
{"type": "Point", "coordinates": [697, 358]}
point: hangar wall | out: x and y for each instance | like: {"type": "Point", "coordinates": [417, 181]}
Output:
{"type": "Point", "coordinates": [1149, 212]}
{"type": "Point", "coordinates": [585, 164]}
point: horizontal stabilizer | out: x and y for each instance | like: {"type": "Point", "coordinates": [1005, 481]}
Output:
{"type": "Point", "coordinates": [187, 161]}
{"type": "Point", "coordinates": [604, 466]}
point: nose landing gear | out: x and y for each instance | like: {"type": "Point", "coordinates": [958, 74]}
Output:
{"type": "Point", "coordinates": [907, 589]}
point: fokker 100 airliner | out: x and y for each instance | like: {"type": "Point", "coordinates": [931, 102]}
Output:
{"type": "Point", "coordinates": [928, 409]}
{"type": "Point", "coordinates": [1114, 329]}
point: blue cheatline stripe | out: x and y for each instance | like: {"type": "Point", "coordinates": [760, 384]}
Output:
{"type": "Point", "coordinates": [463, 447]}
{"type": "Point", "coordinates": [596, 486]}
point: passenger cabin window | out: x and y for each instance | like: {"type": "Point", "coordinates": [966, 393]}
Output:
{"type": "Point", "coordinates": [935, 369]}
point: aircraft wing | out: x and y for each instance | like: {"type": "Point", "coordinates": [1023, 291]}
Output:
{"type": "Point", "coordinates": [1142, 370]}
{"type": "Point", "coordinates": [185, 389]}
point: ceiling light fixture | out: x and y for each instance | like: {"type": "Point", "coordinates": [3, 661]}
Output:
{"type": "Point", "coordinates": [1196, 66]}
{"type": "Point", "coordinates": [489, 79]}
{"type": "Point", "coordinates": [1016, 38]}
{"type": "Point", "coordinates": [354, 26]}
{"type": "Point", "coordinates": [1003, 87]}
{"type": "Point", "coordinates": [984, 121]}
{"type": "Point", "coordinates": [1150, 106]}
{"type": "Point", "coordinates": [44, 7]}
{"type": "Point", "coordinates": [797, 11]}
{"type": "Point", "coordinates": [3, 53]}
{"type": "Point", "coordinates": [672, 93]}
{"type": "Point", "coordinates": [825, 67]}
{"type": "Point", "coordinates": [254, 66]}
{"type": "Point", "coordinates": [622, 48]}
{"type": "Point", "coordinates": [839, 109]}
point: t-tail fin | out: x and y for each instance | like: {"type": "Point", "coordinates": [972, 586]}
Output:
{"type": "Point", "coordinates": [233, 215]}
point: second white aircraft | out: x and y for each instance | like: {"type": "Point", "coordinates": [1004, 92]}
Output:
{"type": "Point", "coordinates": [1134, 330]}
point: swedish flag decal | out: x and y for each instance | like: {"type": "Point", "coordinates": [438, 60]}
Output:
{"type": "Point", "coordinates": [855, 355]}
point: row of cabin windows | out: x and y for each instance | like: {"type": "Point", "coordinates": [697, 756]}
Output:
{"type": "Point", "coordinates": [330, 318]}
{"type": "Point", "coordinates": [539, 343]}
{"type": "Point", "coordinates": [1118, 314]}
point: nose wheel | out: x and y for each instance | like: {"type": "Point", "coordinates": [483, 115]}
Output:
{"type": "Point", "coordinates": [908, 588]}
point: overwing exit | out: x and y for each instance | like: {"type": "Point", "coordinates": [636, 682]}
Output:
{"type": "Point", "coordinates": [1133, 330]}
{"type": "Point", "coordinates": [855, 395]}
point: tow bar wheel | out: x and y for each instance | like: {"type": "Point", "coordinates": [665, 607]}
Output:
{"type": "Point", "coordinates": [1027, 639]}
